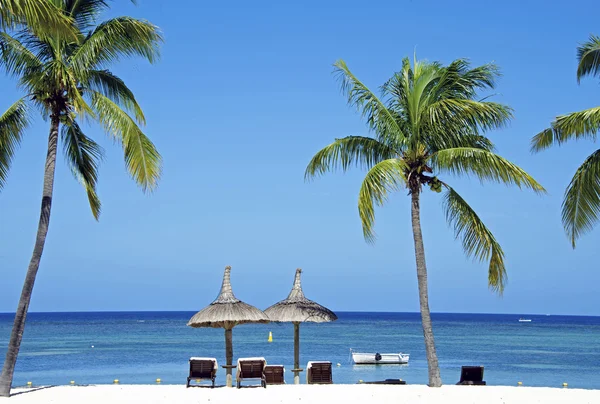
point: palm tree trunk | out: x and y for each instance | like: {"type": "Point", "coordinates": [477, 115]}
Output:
{"type": "Point", "coordinates": [19, 325]}
{"type": "Point", "coordinates": [435, 379]}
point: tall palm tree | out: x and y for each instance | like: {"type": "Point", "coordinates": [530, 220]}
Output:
{"type": "Point", "coordinates": [67, 81]}
{"type": "Point", "coordinates": [41, 16]}
{"type": "Point", "coordinates": [427, 122]}
{"type": "Point", "coordinates": [581, 204]}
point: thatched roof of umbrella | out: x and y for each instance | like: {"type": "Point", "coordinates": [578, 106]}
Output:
{"type": "Point", "coordinates": [297, 308]}
{"type": "Point", "coordinates": [227, 311]}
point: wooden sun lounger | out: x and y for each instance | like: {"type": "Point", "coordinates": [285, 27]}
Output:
{"type": "Point", "coordinates": [251, 369]}
{"type": "Point", "coordinates": [318, 373]}
{"type": "Point", "coordinates": [274, 374]}
{"type": "Point", "coordinates": [472, 376]}
{"type": "Point", "coordinates": [202, 369]}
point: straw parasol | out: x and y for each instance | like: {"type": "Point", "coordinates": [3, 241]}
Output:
{"type": "Point", "coordinates": [226, 312]}
{"type": "Point", "coordinates": [298, 309]}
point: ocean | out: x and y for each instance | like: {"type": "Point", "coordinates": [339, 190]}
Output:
{"type": "Point", "coordinates": [139, 347]}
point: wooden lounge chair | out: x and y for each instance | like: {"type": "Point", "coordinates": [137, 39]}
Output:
{"type": "Point", "coordinates": [274, 374]}
{"type": "Point", "coordinates": [472, 376]}
{"type": "Point", "coordinates": [318, 373]}
{"type": "Point", "coordinates": [251, 368]}
{"type": "Point", "coordinates": [202, 369]}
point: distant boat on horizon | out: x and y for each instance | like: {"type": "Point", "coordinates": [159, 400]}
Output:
{"type": "Point", "coordinates": [524, 320]}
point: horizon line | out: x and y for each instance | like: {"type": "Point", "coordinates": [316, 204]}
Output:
{"type": "Point", "coordinates": [336, 311]}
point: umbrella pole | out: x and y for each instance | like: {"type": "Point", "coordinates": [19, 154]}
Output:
{"type": "Point", "coordinates": [229, 355]}
{"type": "Point", "coordinates": [297, 353]}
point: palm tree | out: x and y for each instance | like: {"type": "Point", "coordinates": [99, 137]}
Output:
{"type": "Point", "coordinates": [427, 122]}
{"type": "Point", "coordinates": [41, 16]}
{"type": "Point", "coordinates": [67, 81]}
{"type": "Point", "coordinates": [581, 204]}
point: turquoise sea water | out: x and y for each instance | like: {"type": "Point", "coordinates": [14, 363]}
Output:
{"type": "Point", "coordinates": [139, 347]}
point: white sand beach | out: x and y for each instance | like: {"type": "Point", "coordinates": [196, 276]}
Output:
{"type": "Point", "coordinates": [167, 394]}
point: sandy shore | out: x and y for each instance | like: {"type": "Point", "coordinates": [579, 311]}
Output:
{"type": "Point", "coordinates": [332, 394]}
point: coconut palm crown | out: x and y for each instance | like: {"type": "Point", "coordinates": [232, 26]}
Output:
{"type": "Point", "coordinates": [67, 80]}
{"type": "Point", "coordinates": [428, 122]}
{"type": "Point", "coordinates": [581, 203]}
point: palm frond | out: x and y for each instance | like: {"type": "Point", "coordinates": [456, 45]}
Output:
{"type": "Point", "coordinates": [461, 113]}
{"type": "Point", "coordinates": [542, 140]}
{"type": "Point", "coordinates": [13, 123]}
{"type": "Point", "coordinates": [485, 165]}
{"type": "Point", "coordinates": [477, 240]}
{"type": "Point", "coordinates": [424, 80]}
{"type": "Point", "coordinates": [111, 86]}
{"type": "Point", "coordinates": [84, 156]}
{"type": "Point", "coordinates": [85, 12]}
{"type": "Point", "coordinates": [459, 82]}
{"type": "Point", "coordinates": [43, 18]}
{"type": "Point", "coordinates": [384, 177]}
{"type": "Point", "coordinates": [363, 152]}
{"type": "Point", "coordinates": [438, 139]}
{"type": "Point", "coordinates": [141, 157]}
{"type": "Point", "coordinates": [481, 77]}
{"type": "Point", "coordinates": [379, 119]}
{"type": "Point", "coordinates": [44, 50]}
{"type": "Point", "coordinates": [396, 91]}
{"type": "Point", "coordinates": [15, 58]}
{"type": "Point", "coordinates": [588, 55]}
{"type": "Point", "coordinates": [116, 38]}
{"type": "Point", "coordinates": [577, 125]}
{"type": "Point", "coordinates": [581, 205]}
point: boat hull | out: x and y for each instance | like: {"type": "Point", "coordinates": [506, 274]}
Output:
{"type": "Point", "coordinates": [379, 359]}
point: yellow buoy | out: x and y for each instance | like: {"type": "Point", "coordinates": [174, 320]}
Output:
{"type": "Point", "coordinates": [72, 381]}
{"type": "Point", "coordinates": [29, 384]}
{"type": "Point", "coordinates": [157, 380]}
{"type": "Point", "coordinates": [565, 385]}
{"type": "Point", "coordinates": [270, 337]}
{"type": "Point", "coordinates": [519, 383]}
{"type": "Point", "coordinates": [197, 380]}
{"type": "Point", "coordinates": [116, 381]}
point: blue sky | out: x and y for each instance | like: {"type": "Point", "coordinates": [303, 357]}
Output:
{"type": "Point", "coordinates": [240, 101]}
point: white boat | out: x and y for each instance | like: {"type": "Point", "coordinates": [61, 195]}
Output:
{"type": "Point", "coordinates": [361, 358]}
{"type": "Point", "coordinates": [524, 320]}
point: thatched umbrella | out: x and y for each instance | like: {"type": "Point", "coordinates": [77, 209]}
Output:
{"type": "Point", "coordinates": [226, 312]}
{"type": "Point", "coordinates": [297, 309]}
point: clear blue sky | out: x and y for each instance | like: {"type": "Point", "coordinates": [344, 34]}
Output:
{"type": "Point", "coordinates": [241, 100]}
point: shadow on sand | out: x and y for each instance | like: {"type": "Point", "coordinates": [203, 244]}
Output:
{"type": "Point", "coordinates": [30, 390]}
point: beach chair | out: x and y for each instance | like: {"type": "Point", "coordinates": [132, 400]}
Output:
{"type": "Point", "coordinates": [274, 374]}
{"type": "Point", "coordinates": [318, 372]}
{"type": "Point", "coordinates": [471, 376]}
{"type": "Point", "coordinates": [251, 368]}
{"type": "Point", "coordinates": [202, 369]}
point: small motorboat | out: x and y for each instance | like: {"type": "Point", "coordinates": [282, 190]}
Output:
{"type": "Point", "coordinates": [361, 358]}
{"type": "Point", "coordinates": [524, 320]}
